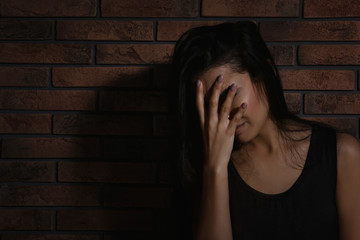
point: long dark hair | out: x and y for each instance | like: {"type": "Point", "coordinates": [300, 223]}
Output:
{"type": "Point", "coordinates": [238, 45]}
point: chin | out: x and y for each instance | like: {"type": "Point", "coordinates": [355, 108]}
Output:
{"type": "Point", "coordinates": [241, 140]}
{"type": "Point", "coordinates": [244, 136]}
{"type": "Point", "coordinates": [242, 132]}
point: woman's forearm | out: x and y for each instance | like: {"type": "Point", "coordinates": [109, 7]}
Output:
{"type": "Point", "coordinates": [214, 215]}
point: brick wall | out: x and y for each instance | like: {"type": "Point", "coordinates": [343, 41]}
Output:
{"type": "Point", "coordinates": [85, 121]}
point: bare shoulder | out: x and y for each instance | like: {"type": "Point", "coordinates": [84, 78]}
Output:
{"type": "Point", "coordinates": [348, 160]}
{"type": "Point", "coordinates": [347, 189]}
{"type": "Point", "coordinates": [348, 148]}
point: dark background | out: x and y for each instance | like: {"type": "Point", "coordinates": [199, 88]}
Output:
{"type": "Point", "coordinates": [86, 124]}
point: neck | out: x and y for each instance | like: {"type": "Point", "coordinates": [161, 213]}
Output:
{"type": "Point", "coordinates": [268, 141]}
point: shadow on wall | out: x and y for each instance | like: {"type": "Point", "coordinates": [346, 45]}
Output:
{"type": "Point", "coordinates": [105, 167]}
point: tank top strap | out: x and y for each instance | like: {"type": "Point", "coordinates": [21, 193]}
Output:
{"type": "Point", "coordinates": [324, 151]}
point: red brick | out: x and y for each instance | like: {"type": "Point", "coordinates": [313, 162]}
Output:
{"type": "Point", "coordinates": [25, 219]}
{"type": "Point", "coordinates": [25, 30]}
{"type": "Point", "coordinates": [133, 54]}
{"type": "Point", "coordinates": [283, 55]}
{"type": "Point", "coordinates": [24, 77]}
{"type": "Point", "coordinates": [17, 171]}
{"type": "Point", "coordinates": [107, 172]}
{"type": "Point", "coordinates": [293, 101]}
{"type": "Point", "coordinates": [317, 79]}
{"type": "Point", "coordinates": [133, 101]}
{"type": "Point", "coordinates": [329, 55]}
{"type": "Point", "coordinates": [140, 150]}
{"type": "Point", "coordinates": [101, 77]}
{"type": "Point", "coordinates": [172, 30]}
{"type": "Point", "coordinates": [45, 53]}
{"type": "Point", "coordinates": [255, 8]}
{"type": "Point", "coordinates": [48, 8]}
{"type": "Point", "coordinates": [347, 125]}
{"type": "Point", "coordinates": [49, 237]}
{"type": "Point", "coordinates": [103, 125]}
{"type": "Point", "coordinates": [105, 220]}
{"type": "Point", "coordinates": [164, 125]}
{"type": "Point", "coordinates": [331, 8]}
{"type": "Point", "coordinates": [47, 100]}
{"type": "Point", "coordinates": [105, 30]}
{"type": "Point", "coordinates": [311, 31]}
{"type": "Point", "coordinates": [137, 197]}
{"type": "Point", "coordinates": [149, 8]}
{"type": "Point", "coordinates": [332, 103]}
{"type": "Point", "coordinates": [49, 195]}
{"type": "Point", "coordinates": [12, 123]}
{"type": "Point", "coordinates": [50, 147]}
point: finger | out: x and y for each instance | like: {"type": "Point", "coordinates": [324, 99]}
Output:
{"type": "Point", "coordinates": [200, 102]}
{"type": "Point", "coordinates": [214, 98]}
{"type": "Point", "coordinates": [236, 119]}
{"type": "Point", "coordinates": [226, 106]}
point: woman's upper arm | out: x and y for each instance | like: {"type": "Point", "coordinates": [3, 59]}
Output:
{"type": "Point", "coordinates": [348, 187]}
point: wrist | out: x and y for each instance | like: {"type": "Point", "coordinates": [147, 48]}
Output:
{"type": "Point", "coordinates": [215, 171]}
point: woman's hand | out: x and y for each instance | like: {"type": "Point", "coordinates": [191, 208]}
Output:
{"type": "Point", "coordinates": [218, 124]}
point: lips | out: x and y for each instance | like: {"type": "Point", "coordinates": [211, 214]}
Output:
{"type": "Point", "coordinates": [240, 128]}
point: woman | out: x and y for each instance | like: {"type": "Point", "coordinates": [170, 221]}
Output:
{"type": "Point", "coordinates": [251, 169]}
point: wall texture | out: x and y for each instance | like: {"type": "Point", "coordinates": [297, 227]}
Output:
{"type": "Point", "coordinates": [85, 121]}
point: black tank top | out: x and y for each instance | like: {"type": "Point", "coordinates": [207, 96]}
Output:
{"type": "Point", "coordinates": [306, 211]}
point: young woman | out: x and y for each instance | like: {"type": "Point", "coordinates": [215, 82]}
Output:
{"type": "Point", "coordinates": [251, 168]}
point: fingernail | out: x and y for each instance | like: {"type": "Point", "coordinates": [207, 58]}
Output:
{"type": "Point", "coordinates": [243, 106]}
{"type": "Point", "coordinates": [233, 87]}
{"type": "Point", "coordinates": [198, 83]}
{"type": "Point", "coordinates": [220, 78]}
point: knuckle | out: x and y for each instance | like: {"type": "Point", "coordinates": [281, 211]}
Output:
{"type": "Point", "coordinates": [224, 109]}
{"type": "Point", "coordinates": [213, 103]}
{"type": "Point", "coordinates": [212, 123]}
